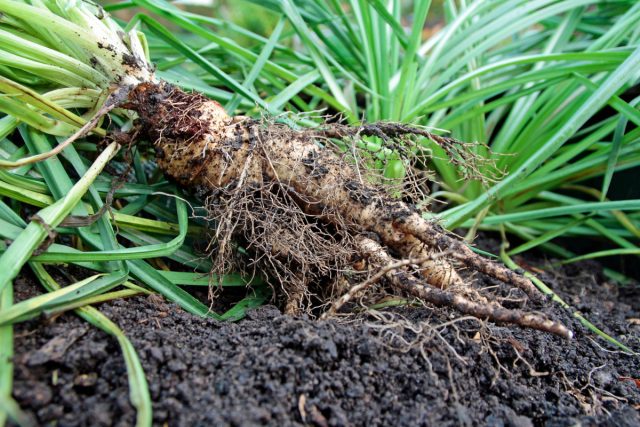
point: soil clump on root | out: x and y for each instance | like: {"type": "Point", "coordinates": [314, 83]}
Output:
{"type": "Point", "coordinates": [435, 367]}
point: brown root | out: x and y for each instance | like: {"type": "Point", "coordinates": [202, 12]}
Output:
{"type": "Point", "coordinates": [435, 237]}
{"type": "Point", "coordinates": [402, 279]}
{"type": "Point", "coordinates": [302, 211]}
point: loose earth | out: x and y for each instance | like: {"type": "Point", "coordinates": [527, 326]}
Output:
{"type": "Point", "coordinates": [415, 366]}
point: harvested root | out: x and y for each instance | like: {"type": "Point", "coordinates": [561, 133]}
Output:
{"type": "Point", "coordinates": [305, 215]}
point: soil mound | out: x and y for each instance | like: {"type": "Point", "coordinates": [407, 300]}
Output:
{"type": "Point", "coordinates": [414, 366]}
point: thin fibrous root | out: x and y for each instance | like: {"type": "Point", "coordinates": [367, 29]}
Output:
{"type": "Point", "coordinates": [492, 311]}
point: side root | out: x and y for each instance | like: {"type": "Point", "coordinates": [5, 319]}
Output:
{"type": "Point", "coordinates": [403, 280]}
{"type": "Point", "coordinates": [431, 236]}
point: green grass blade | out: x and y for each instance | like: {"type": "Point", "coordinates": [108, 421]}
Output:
{"type": "Point", "coordinates": [632, 205]}
{"type": "Point", "coordinates": [601, 254]}
{"type": "Point", "coordinates": [239, 310]}
{"type": "Point", "coordinates": [606, 90]}
{"type": "Point", "coordinates": [35, 233]}
{"type": "Point", "coordinates": [303, 31]}
{"type": "Point", "coordinates": [613, 156]}
{"type": "Point", "coordinates": [143, 252]}
{"type": "Point", "coordinates": [259, 65]}
{"type": "Point", "coordinates": [554, 297]}
{"type": "Point", "coordinates": [277, 102]}
{"type": "Point", "coordinates": [199, 279]}
{"type": "Point", "coordinates": [36, 304]}
{"type": "Point", "coordinates": [10, 407]}
{"type": "Point", "coordinates": [190, 53]}
{"type": "Point", "coordinates": [154, 280]}
{"type": "Point", "coordinates": [138, 387]}
{"type": "Point", "coordinates": [544, 238]}
{"type": "Point", "coordinates": [6, 353]}
{"type": "Point", "coordinates": [57, 300]}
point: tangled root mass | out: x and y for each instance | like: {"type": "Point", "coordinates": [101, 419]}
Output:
{"type": "Point", "coordinates": [311, 217]}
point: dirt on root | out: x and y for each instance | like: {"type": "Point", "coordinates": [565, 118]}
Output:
{"type": "Point", "coordinates": [416, 366]}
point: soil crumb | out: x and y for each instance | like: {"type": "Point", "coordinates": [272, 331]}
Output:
{"type": "Point", "coordinates": [404, 367]}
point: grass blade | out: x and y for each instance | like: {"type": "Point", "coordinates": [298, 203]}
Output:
{"type": "Point", "coordinates": [554, 297]}
{"type": "Point", "coordinates": [6, 353]}
{"type": "Point", "coordinates": [606, 90]}
{"type": "Point", "coordinates": [138, 387]}
{"type": "Point", "coordinates": [34, 234]}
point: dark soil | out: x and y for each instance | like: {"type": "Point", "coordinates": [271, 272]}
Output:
{"type": "Point", "coordinates": [271, 369]}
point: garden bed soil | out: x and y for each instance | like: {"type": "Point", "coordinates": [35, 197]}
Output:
{"type": "Point", "coordinates": [271, 369]}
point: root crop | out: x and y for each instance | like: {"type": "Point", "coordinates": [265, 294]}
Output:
{"type": "Point", "coordinates": [308, 216]}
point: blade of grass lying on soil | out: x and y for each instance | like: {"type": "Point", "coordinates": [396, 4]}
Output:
{"type": "Point", "coordinates": [549, 292]}
{"type": "Point", "coordinates": [142, 271]}
{"type": "Point", "coordinates": [6, 352]}
{"type": "Point", "coordinates": [50, 301]}
{"type": "Point", "coordinates": [10, 408]}
{"type": "Point", "coordinates": [600, 254]}
{"type": "Point", "coordinates": [140, 252]}
{"type": "Point", "coordinates": [138, 387]}
{"type": "Point", "coordinates": [158, 282]}
{"type": "Point", "coordinates": [238, 311]}
{"type": "Point", "coordinates": [199, 279]}
{"type": "Point", "coordinates": [91, 300]}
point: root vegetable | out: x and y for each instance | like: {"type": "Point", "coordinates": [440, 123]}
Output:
{"type": "Point", "coordinates": [304, 213]}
